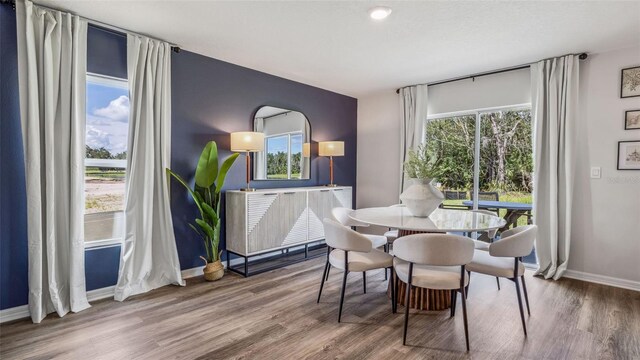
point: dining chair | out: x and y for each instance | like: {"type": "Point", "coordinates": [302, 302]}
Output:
{"type": "Point", "coordinates": [433, 261]}
{"type": "Point", "coordinates": [515, 243]}
{"type": "Point", "coordinates": [352, 252]}
{"type": "Point", "coordinates": [487, 196]}
{"type": "Point", "coordinates": [392, 234]}
{"type": "Point", "coordinates": [341, 215]}
{"type": "Point", "coordinates": [491, 234]}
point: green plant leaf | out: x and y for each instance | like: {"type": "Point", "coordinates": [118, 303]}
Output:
{"type": "Point", "coordinates": [224, 169]}
{"type": "Point", "coordinates": [207, 169]}
{"type": "Point", "coordinates": [205, 227]}
{"type": "Point", "coordinates": [210, 212]}
{"type": "Point", "coordinates": [194, 195]}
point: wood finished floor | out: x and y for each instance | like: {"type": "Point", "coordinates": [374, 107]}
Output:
{"type": "Point", "coordinates": [274, 315]}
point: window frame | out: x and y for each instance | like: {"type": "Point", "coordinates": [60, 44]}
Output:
{"type": "Point", "coordinates": [289, 154]}
{"type": "Point", "coordinates": [123, 84]}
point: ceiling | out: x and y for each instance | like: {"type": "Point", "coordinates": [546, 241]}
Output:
{"type": "Point", "coordinates": [336, 46]}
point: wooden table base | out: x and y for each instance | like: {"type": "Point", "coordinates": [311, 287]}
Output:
{"type": "Point", "coordinates": [421, 298]}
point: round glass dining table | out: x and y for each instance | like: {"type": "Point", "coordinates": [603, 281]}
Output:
{"type": "Point", "coordinates": [440, 221]}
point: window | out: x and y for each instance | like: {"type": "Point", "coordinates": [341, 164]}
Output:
{"type": "Point", "coordinates": [486, 154]}
{"type": "Point", "coordinates": [284, 156]}
{"type": "Point", "coordinates": [107, 129]}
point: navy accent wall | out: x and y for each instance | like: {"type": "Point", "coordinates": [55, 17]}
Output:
{"type": "Point", "coordinates": [106, 52]}
{"type": "Point", "coordinates": [13, 211]}
{"type": "Point", "coordinates": [101, 266]}
{"type": "Point", "coordinates": [212, 98]}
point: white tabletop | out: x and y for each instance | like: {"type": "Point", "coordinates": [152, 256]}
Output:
{"type": "Point", "coordinates": [441, 220]}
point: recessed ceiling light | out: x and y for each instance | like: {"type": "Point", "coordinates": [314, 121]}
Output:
{"type": "Point", "coordinates": [379, 12]}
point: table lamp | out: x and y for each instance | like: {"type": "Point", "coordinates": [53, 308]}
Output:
{"type": "Point", "coordinates": [247, 141]}
{"type": "Point", "coordinates": [331, 149]}
{"type": "Point", "coordinates": [306, 150]}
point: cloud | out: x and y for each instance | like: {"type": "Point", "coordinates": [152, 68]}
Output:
{"type": "Point", "coordinates": [117, 110]}
{"type": "Point", "coordinates": [111, 138]}
{"type": "Point", "coordinates": [97, 138]}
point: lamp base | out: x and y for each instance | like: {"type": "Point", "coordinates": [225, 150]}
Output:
{"type": "Point", "coordinates": [248, 189]}
{"type": "Point", "coordinates": [331, 185]}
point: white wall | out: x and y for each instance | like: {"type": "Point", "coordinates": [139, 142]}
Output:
{"type": "Point", "coordinates": [606, 224]}
{"type": "Point", "coordinates": [378, 163]}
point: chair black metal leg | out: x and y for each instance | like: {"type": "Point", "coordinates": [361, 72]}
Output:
{"type": "Point", "coordinates": [524, 325]}
{"type": "Point", "coordinates": [406, 305]}
{"type": "Point", "coordinates": [364, 281]}
{"type": "Point", "coordinates": [344, 283]}
{"type": "Point", "coordinates": [454, 296]}
{"type": "Point", "coordinates": [393, 292]}
{"type": "Point", "coordinates": [463, 297]}
{"type": "Point", "coordinates": [526, 297]}
{"type": "Point", "coordinates": [344, 286]}
{"type": "Point", "coordinates": [386, 249]}
{"type": "Point", "coordinates": [329, 269]}
{"type": "Point", "coordinates": [324, 278]}
{"type": "Point", "coordinates": [498, 282]}
{"type": "Point", "coordinates": [396, 279]}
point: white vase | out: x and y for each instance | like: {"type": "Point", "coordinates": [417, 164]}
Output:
{"type": "Point", "coordinates": [422, 198]}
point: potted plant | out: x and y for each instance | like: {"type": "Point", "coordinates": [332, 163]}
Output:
{"type": "Point", "coordinates": [421, 198]}
{"type": "Point", "coordinates": [206, 193]}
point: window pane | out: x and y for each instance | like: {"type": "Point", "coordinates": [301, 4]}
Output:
{"type": "Point", "coordinates": [277, 157]}
{"type": "Point", "coordinates": [451, 142]}
{"type": "Point", "coordinates": [107, 127]}
{"type": "Point", "coordinates": [296, 155]}
{"type": "Point", "coordinates": [506, 162]}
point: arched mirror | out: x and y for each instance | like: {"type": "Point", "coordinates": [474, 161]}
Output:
{"type": "Point", "coordinates": [287, 135]}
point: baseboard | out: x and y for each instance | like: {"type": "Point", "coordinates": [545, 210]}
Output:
{"type": "Point", "coordinates": [604, 280]}
{"type": "Point", "coordinates": [21, 312]}
{"type": "Point", "coordinates": [14, 313]}
{"type": "Point", "coordinates": [102, 293]}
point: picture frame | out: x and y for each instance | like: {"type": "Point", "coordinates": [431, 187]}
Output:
{"type": "Point", "coordinates": [630, 82]}
{"type": "Point", "coordinates": [628, 155]}
{"type": "Point", "coordinates": [632, 120]}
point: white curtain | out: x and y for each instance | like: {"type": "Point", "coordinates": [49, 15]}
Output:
{"type": "Point", "coordinates": [149, 256]}
{"type": "Point", "coordinates": [52, 70]}
{"type": "Point", "coordinates": [554, 90]}
{"type": "Point", "coordinates": [413, 107]}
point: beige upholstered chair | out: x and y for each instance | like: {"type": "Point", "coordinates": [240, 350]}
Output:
{"type": "Point", "coordinates": [434, 261]}
{"type": "Point", "coordinates": [491, 234]}
{"type": "Point", "coordinates": [504, 259]}
{"type": "Point", "coordinates": [351, 252]}
{"type": "Point", "coordinates": [341, 215]}
{"type": "Point", "coordinates": [392, 234]}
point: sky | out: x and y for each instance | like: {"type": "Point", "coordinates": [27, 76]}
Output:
{"type": "Point", "coordinates": [107, 117]}
{"type": "Point", "coordinates": [279, 144]}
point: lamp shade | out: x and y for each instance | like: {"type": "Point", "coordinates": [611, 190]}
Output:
{"type": "Point", "coordinates": [247, 141]}
{"type": "Point", "coordinates": [331, 148]}
{"type": "Point", "coordinates": [306, 150]}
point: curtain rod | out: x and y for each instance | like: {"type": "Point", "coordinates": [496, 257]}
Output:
{"type": "Point", "coordinates": [581, 56]}
{"type": "Point", "coordinates": [174, 47]}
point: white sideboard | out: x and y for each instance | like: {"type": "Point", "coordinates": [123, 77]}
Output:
{"type": "Point", "coordinates": [271, 219]}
